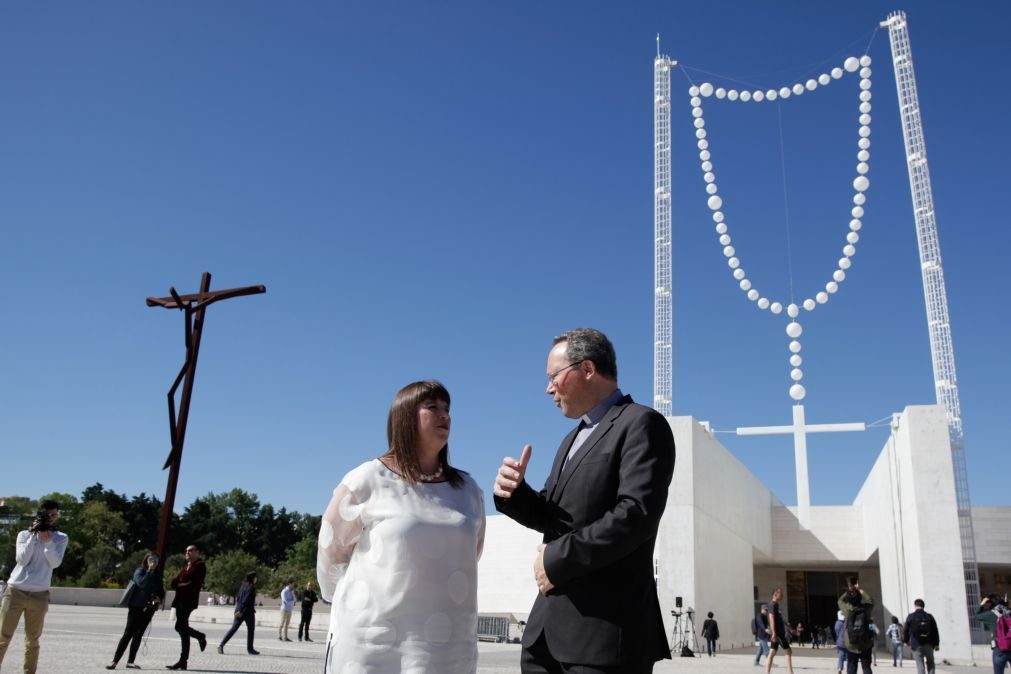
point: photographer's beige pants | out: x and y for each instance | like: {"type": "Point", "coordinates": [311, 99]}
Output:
{"type": "Point", "coordinates": [34, 606]}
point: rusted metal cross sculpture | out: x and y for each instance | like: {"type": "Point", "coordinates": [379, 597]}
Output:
{"type": "Point", "coordinates": [194, 307]}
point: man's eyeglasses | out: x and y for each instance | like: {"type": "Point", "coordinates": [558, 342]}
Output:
{"type": "Point", "coordinates": [554, 375]}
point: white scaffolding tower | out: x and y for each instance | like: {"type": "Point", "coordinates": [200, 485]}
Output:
{"type": "Point", "coordinates": [662, 310]}
{"type": "Point", "coordinates": [941, 351]}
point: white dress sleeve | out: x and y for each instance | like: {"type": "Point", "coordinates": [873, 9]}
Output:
{"type": "Point", "coordinates": [339, 532]}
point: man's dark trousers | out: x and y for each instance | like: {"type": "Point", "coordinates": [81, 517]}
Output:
{"type": "Point", "coordinates": [864, 658]}
{"type": "Point", "coordinates": [185, 632]}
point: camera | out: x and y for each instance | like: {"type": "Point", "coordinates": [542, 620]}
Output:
{"type": "Point", "coordinates": [41, 522]}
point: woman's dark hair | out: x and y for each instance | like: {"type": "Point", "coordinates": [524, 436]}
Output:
{"type": "Point", "coordinates": [895, 620]}
{"type": "Point", "coordinates": [402, 431]}
{"type": "Point", "coordinates": [148, 555]}
{"type": "Point", "coordinates": [251, 576]}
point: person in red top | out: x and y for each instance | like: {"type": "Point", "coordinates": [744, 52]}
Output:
{"type": "Point", "coordinates": [187, 585]}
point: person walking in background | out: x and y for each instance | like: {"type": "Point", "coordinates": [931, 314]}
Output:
{"type": "Point", "coordinates": [145, 598]}
{"type": "Point", "coordinates": [710, 632]}
{"type": "Point", "coordinates": [596, 608]}
{"type": "Point", "coordinates": [840, 643]}
{"type": "Point", "coordinates": [245, 612]}
{"type": "Point", "coordinates": [308, 599]}
{"type": "Point", "coordinates": [187, 585]}
{"type": "Point", "coordinates": [992, 612]}
{"type": "Point", "coordinates": [872, 626]}
{"type": "Point", "coordinates": [894, 636]}
{"type": "Point", "coordinates": [856, 606]}
{"type": "Point", "coordinates": [287, 608]}
{"type": "Point", "coordinates": [920, 632]}
{"type": "Point", "coordinates": [37, 551]}
{"type": "Point", "coordinates": [760, 628]}
{"type": "Point", "coordinates": [398, 549]}
{"type": "Point", "coordinates": [779, 636]}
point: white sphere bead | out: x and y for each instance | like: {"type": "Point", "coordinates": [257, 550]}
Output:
{"type": "Point", "coordinates": [857, 212]}
{"type": "Point", "coordinates": [745, 284]}
{"type": "Point", "coordinates": [865, 73]}
{"type": "Point", "coordinates": [852, 237]}
{"type": "Point", "coordinates": [824, 79]}
{"type": "Point", "coordinates": [696, 112]}
{"type": "Point", "coordinates": [797, 392]}
{"type": "Point", "coordinates": [855, 225]}
{"type": "Point", "coordinates": [732, 94]}
{"type": "Point", "coordinates": [865, 96]}
{"type": "Point", "coordinates": [693, 91]}
{"type": "Point", "coordinates": [863, 155]}
{"type": "Point", "coordinates": [865, 85]}
{"type": "Point", "coordinates": [809, 304]}
{"type": "Point", "coordinates": [738, 273]}
{"type": "Point", "coordinates": [796, 360]}
{"type": "Point", "coordinates": [763, 303]}
{"type": "Point", "coordinates": [776, 308]}
{"type": "Point", "coordinates": [706, 89]}
{"type": "Point", "coordinates": [784, 92]}
{"type": "Point", "coordinates": [707, 166]}
{"type": "Point", "coordinates": [752, 294]}
{"type": "Point", "coordinates": [865, 108]}
{"type": "Point", "coordinates": [796, 374]}
{"type": "Point", "coordinates": [859, 199]}
{"type": "Point", "coordinates": [821, 298]}
{"type": "Point", "coordinates": [771, 95]}
{"type": "Point", "coordinates": [795, 346]}
{"type": "Point", "coordinates": [860, 184]}
{"type": "Point", "coordinates": [734, 263]}
{"type": "Point", "coordinates": [696, 101]}
{"type": "Point", "coordinates": [844, 263]}
{"type": "Point", "coordinates": [839, 275]}
{"type": "Point", "coordinates": [759, 96]}
{"type": "Point", "coordinates": [848, 250]}
{"type": "Point", "coordinates": [728, 251]}
{"type": "Point", "coordinates": [832, 287]}
{"type": "Point", "coordinates": [711, 188]}
{"type": "Point", "coordinates": [704, 155]}
{"type": "Point", "coordinates": [715, 203]}
{"type": "Point", "coordinates": [793, 330]}
{"type": "Point", "coordinates": [811, 85]}
{"type": "Point", "coordinates": [700, 133]}
{"type": "Point", "coordinates": [721, 228]}
{"type": "Point", "coordinates": [851, 64]}
{"type": "Point", "coordinates": [702, 144]}
{"type": "Point", "coordinates": [864, 143]}
{"type": "Point", "coordinates": [792, 311]}
{"type": "Point", "coordinates": [837, 73]}
{"type": "Point", "coordinates": [865, 119]}
{"type": "Point", "coordinates": [798, 89]}
{"type": "Point", "coordinates": [865, 60]}
{"type": "Point", "coordinates": [699, 123]}
{"type": "Point", "coordinates": [709, 177]}
{"type": "Point", "coordinates": [863, 168]}
{"type": "Point", "coordinates": [718, 216]}
{"type": "Point", "coordinates": [721, 93]}
{"type": "Point", "coordinates": [865, 131]}
{"type": "Point", "coordinates": [745, 96]}
{"type": "Point", "coordinates": [725, 240]}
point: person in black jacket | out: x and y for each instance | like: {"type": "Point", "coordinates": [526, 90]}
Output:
{"type": "Point", "coordinates": [760, 628]}
{"type": "Point", "coordinates": [710, 632]}
{"type": "Point", "coordinates": [145, 599]}
{"type": "Point", "coordinates": [920, 632]}
{"type": "Point", "coordinates": [245, 612]}
{"type": "Point", "coordinates": [308, 599]}
{"type": "Point", "coordinates": [187, 585]}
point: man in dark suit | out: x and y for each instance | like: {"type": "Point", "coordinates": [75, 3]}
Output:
{"type": "Point", "coordinates": [599, 510]}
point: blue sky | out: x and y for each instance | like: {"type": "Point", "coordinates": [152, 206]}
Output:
{"type": "Point", "coordinates": [435, 190]}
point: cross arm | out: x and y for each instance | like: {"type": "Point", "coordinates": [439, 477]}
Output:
{"type": "Point", "coordinates": [203, 299]}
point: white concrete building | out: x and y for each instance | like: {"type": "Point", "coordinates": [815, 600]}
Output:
{"type": "Point", "coordinates": [726, 542]}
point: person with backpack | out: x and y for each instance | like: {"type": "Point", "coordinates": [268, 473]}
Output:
{"type": "Point", "coordinates": [710, 632]}
{"type": "Point", "coordinates": [760, 628]}
{"type": "Point", "coordinates": [894, 634]}
{"type": "Point", "coordinates": [840, 645]}
{"type": "Point", "coordinates": [995, 615]}
{"type": "Point", "coordinates": [856, 606]}
{"type": "Point", "coordinates": [920, 632]}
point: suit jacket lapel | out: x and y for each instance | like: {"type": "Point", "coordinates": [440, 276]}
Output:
{"type": "Point", "coordinates": [556, 467]}
{"type": "Point", "coordinates": [599, 432]}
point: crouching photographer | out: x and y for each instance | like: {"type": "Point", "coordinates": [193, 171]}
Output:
{"type": "Point", "coordinates": [142, 598]}
{"type": "Point", "coordinates": [39, 550]}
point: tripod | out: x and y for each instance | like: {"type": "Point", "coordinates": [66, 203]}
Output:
{"type": "Point", "coordinates": [683, 634]}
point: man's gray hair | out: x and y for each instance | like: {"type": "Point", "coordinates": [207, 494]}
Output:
{"type": "Point", "coordinates": [590, 344]}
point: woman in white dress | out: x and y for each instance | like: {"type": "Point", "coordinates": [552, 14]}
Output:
{"type": "Point", "coordinates": [398, 550]}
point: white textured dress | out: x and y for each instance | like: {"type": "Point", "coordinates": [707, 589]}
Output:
{"type": "Point", "coordinates": [399, 563]}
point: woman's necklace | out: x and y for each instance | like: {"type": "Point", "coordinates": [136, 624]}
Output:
{"type": "Point", "coordinates": [431, 477]}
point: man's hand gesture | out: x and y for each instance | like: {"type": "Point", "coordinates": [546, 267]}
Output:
{"type": "Point", "coordinates": [510, 475]}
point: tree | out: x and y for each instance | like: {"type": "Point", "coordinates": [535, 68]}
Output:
{"type": "Point", "coordinates": [300, 564]}
{"type": "Point", "coordinates": [226, 572]}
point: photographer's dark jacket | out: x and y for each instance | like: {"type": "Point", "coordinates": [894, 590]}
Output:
{"type": "Point", "coordinates": [187, 585]}
{"type": "Point", "coordinates": [149, 585]}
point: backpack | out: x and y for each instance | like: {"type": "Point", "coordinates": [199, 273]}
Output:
{"type": "Point", "coordinates": [919, 628]}
{"type": "Point", "coordinates": [1004, 632]}
{"type": "Point", "coordinates": [856, 628]}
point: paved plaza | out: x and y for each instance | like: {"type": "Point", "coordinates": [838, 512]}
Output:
{"type": "Point", "coordinates": [82, 639]}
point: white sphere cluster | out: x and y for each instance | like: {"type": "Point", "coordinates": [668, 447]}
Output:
{"type": "Point", "coordinates": [861, 183]}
